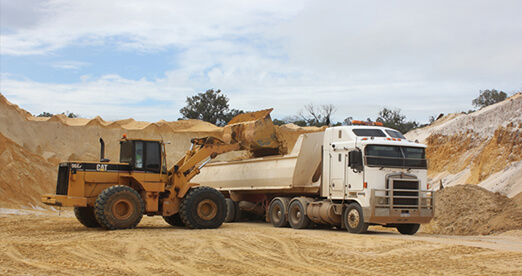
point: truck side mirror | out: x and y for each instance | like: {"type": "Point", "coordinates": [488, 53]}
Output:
{"type": "Point", "coordinates": [355, 161]}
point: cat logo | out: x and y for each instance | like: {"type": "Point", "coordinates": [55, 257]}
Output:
{"type": "Point", "coordinates": [101, 167]}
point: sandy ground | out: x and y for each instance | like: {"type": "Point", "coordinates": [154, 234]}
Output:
{"type": "Point", "coordinates": [44, 243]}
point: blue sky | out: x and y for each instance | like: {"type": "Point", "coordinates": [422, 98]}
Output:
{"type": "Point", "coordinates": [141, 59]}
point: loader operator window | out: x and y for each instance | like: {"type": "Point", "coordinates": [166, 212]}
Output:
{"type": "Point", "coordinates": [153, 156]}
{"type": "Point", "coordinates": [139, 155]}
{"type": "Point", "coordinates": [395, 156]}
{"type": "Point", "coordinates": [126, 151]}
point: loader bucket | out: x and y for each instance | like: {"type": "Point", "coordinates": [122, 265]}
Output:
{"type": "Point", "coordinates": [256, 132]}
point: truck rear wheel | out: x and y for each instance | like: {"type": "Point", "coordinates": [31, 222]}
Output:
{"type": "Point", "coordinates": [354, 220]}
{"type": "Point", "coordinates": [174, 220]}
{"type": "Point", "coordinates": [119, 207]}
{"type": "Point", "coordinates": [297, 217]}
{"type": "Point", "coordinates": [203, 208]}
{"type": "Point", "coordinates": [231, 210]}
{"type": "Point", "coordinates": [408, 229]}
{"type": "Point", "coordinates": [85, 216]}
{"type": "Point", "coordinates": [276, 213]}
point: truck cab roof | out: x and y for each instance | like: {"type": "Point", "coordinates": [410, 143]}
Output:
{"type": "Point", "coordinates": [362, 133]}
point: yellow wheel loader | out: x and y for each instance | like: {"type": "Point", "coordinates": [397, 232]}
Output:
{"type": "Point", "coordinates": [116, 195]}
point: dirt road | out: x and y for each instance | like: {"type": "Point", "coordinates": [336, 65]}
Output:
{"type": "Point", "coordinates": [43, 243]}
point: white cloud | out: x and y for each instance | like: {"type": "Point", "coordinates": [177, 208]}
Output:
{"type": "Point", "coordinates": [424, 57]}
{"type": "Point", "coordinates": [70, 64]}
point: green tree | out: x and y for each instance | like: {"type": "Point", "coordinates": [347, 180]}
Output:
{"type": "Point", "coordinates": [394, 119]}
{"type": "Point", "coordinates": [45, 114]}
{"type": "Point", "coordinates": [211, 106]}
{"type": "Point", "coordinates": [489, 97]}
{"type": "Point", "coordinates": [278, 122]}
{"type": "Point", "coordinates": [68, 114]}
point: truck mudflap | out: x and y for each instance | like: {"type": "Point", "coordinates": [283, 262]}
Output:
{"type": "Point", "coordinates": [396, 206]}
{"type": "Point", "coordinates": [65, 201]}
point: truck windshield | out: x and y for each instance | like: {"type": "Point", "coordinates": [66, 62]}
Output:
{"type": "Point", "coordinates": [395, 156]}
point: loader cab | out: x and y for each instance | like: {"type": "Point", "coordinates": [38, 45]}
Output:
{"type": "Point", "coordinates": [143, 155]}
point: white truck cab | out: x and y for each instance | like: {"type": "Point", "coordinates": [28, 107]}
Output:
{"type": "Point", "coordinates": [381, 170]}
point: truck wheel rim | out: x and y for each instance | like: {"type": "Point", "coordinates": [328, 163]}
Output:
{"type": "Point", "coordinates": [122, 209]}
{"type": "Point", "coordinates": [353, 218]}
{"type": "Point", "coordinates": [295, 215]}
{"type": "Point", "coordinates": [277, 214]}
{"type": "Point", "coordinates": [207, 209]}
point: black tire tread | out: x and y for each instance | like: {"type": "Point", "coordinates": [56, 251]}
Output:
{"type": "Point", "coordinates": [104, 197]}
{"type": "Point", "coordinates": [284, 218]}
{"type": "Point", "coordinates": [408, 229]}
{"type": "Point", "coordinates": [231, 210]}
{"type": "Point", "coordinates": [305, 222]}
{"type": "Point", "coordinates": [189, 202]}
{"type": "Point", "coordinates": [85, 216]}
{"type": "Point", "coordinates": [174, 220]}
{"type": "Point", "coordinates": [362, 227]}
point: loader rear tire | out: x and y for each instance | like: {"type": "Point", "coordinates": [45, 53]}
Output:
{"type": "Point", "coordinates": [174, 220]}
{"type": "Point", "coordinates": [85, 216]}
{"type": "Point", "coordinates": [354, 220]}
{"type": "Point", "coordinates": [231, 210]}
{"type": "Point", "coordinates": [119, 207]}
{"type": "Point", "coordinates": [203, 208]}
{"type": "Point", "coordinates": [408, 229]}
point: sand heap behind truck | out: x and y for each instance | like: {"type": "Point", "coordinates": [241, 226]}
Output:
{"type": "Point", "coordinates": [349, 176]}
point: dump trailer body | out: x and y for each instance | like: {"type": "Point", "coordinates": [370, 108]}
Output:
{"type": "Point", "coordinates": [295, 173]}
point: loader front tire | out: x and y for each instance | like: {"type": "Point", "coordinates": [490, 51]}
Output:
{"type": "Point", "coordinates": [203, 208]}
{"type": "Point", "coordinates": [119, 207]}
{"type": "Point", "coordinates": [85, 216]}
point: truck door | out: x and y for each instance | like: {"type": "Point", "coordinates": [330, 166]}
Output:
{"type": "Point", "coordinates": [338, 168]}
{"type": "Point", "coordinates": [355, 179]}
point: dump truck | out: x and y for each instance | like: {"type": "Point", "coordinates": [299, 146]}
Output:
{"type": "Point", "coordinates": [345, 177]}
{"type": "Point", "coordinates": [115, 195]}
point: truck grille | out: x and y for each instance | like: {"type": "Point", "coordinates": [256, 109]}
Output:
{"type": "Point", "coordinates": [405, 192]}
{"type": "Point", "coordinates": [62, 184]}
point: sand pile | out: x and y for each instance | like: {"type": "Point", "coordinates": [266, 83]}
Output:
{"type": "Point", "coordinates": [484, 147]}
{"type": "Point", "coordinates": [24, 176]}
{"type": "Point", "coordinates": [472, 210]}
